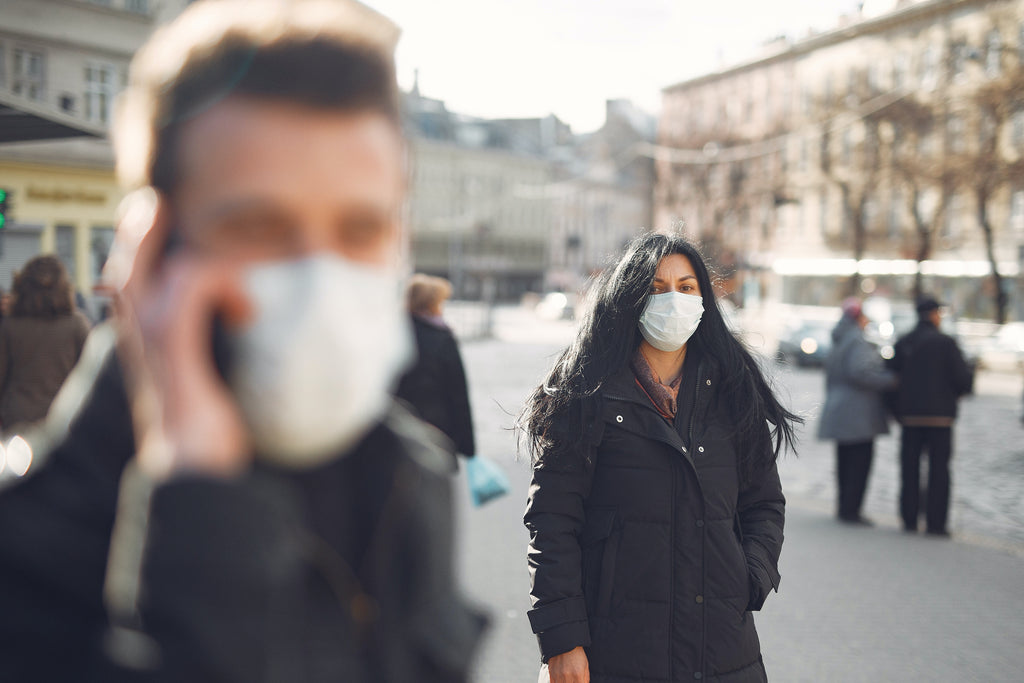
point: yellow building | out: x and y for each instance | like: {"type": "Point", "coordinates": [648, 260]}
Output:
{"type": "Point", "coordinates": [62, 64]}
{"type": "Point", "coordinates": [63, 210]}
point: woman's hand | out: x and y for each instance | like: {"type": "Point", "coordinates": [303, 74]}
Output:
{"type": "Point", "coordinates": [569, 667]}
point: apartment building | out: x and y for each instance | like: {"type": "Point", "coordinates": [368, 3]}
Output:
{"type": "Point", "coordinates": [860, 159]}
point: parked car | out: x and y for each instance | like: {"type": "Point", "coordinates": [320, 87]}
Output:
{"type": "Point", "coordinates": [806, 342]}
{"type": "Point", "coordinates": [557, 306]}
{"type": "Point", "coordinates": [1004, 351]}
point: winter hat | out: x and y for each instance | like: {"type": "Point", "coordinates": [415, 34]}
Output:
{"type": "Point", "coordinates": [851, 307]}
{"type": "Point", "coordinates": [927, 303]}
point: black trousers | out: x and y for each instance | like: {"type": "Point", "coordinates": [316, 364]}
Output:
{"type": "Point", "coordinates": [853, 465]}
{"type": "Point", "coordinates": [938, 442]}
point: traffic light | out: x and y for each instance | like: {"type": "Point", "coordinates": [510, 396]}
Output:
{"type": "Point", "coordinates": [5, 197]}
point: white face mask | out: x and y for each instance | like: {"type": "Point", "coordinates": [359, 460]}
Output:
{"type": "Point", "coordinates": [313, 372]}
{"type": "Point", "coordinates": [670, 319]}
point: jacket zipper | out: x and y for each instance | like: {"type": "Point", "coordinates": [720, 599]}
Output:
{"type": "Point", "coordinates": [672, 586]}
{"type": "Point", "coordinates": [672, 530]}
{"type": "Point", "coordinates": [703, 549]}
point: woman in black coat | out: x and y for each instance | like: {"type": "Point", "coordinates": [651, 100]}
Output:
{"type": "Point", "coordinates": [436, 385]}
{"type": "Point", "coordinates": [655, 511]}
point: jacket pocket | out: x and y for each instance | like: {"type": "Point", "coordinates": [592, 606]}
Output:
{"type": "Point", "coordinates": [599, 546]}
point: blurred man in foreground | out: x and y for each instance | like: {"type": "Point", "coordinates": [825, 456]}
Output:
{"type": "Point", "coordinates": [279, 518]}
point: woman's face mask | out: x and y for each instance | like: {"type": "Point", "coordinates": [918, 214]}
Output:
{"type": "Point", "coordinates": [670, 319]}
{"type": "Point", "coordinates": [314, 370]}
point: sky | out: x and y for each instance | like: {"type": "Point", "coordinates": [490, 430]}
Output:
{"type": "Point", "coordinates": [527, 58]}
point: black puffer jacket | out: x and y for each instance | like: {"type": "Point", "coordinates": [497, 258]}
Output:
{"type": "Point", "coordinates": [653, 557]}
{"type": "Point", "coordinates": [436, 385]}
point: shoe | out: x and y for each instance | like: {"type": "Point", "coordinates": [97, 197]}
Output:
{"type": "Point", "coordinates": [938, 534]}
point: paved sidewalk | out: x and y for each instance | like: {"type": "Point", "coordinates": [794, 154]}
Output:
{"type": "Point", "coordinates": [857, 604]}
{"type": "Point", "coordinates": [862, 604]}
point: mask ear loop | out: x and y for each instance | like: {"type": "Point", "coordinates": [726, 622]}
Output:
{"type": "Point", "coordinates": [207, 103]}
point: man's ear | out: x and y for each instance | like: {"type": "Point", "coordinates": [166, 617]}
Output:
{"type": "Point", "coordinates": [141, 240]}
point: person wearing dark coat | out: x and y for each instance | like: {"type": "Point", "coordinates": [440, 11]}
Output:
{"type": "Point", "coordinates": [225, 490]}
{"type": "Point", "coordinates": [854, 412]}
{"type": "Point", "coordinates": [435, 386]}
{"type": "Point", "coordinates": [655, 511]}
{"type": "Point", "coordinates": [40, 342]}
{"type": "Point", "coordinates": [371, 530]}
{"type": "Point", "coordinates": [933, 375]}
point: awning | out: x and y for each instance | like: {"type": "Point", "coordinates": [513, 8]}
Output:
{"type": "Point", "coordinates": [22, 120]}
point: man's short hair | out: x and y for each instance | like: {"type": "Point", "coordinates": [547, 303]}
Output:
{"type": "Point", "coordinates": [424, 293]}
{"type": "Point", "coordinates": [328, 54]}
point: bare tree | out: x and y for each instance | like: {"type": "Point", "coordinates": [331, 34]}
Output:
{"type": "Point", "coordinates": [984, 168]}
{"type": "Point", "coordinates": [849, 159]}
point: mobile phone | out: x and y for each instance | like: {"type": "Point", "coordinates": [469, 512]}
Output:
{"type": "Point", "coordinates": [220, 340]}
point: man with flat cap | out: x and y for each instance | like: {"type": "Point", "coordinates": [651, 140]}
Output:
{"type": "Point", "coordinates": [933, 377]}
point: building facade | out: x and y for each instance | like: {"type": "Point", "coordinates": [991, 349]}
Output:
{"type": "Point", "coordinates": [62, 63]}
{"type": "Point", "coordinates": [876, 157]}
{"type": "Point", "coordinates": [602, 197]}
{"type": "Point", "coordinates": [478, 214]}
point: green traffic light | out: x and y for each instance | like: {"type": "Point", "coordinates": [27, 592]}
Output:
{"type": "Point", "coordinates": [3, 219]}
{"type": "Point", "coordinates": [3, 195]}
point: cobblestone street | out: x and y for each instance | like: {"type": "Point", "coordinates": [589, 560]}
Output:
{"type": "Point", "coordinates": [855, 604]}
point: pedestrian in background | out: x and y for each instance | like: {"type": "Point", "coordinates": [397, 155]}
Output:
{"type": "Point", "coordinates": [655, 511]}
{"type": "Point", "coordinates": [854, 412]}
{"type": "Point", "coordinates": [436, 385]}
{"type": "Point", "coordinates": [40, 341]}
{"type": "Point", "coordinates": [933, 375]}
{"type": "Point", "coordinates": [238, 487]}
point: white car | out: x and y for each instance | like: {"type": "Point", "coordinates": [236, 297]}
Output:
{"type": "Point", "coordinates": [1005, 349]}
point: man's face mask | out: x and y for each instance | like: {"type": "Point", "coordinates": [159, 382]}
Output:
{"type": "Point", "coordinates": [314, 370]}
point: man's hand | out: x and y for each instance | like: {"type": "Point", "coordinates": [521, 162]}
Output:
{"type": "Point", "coordinates": [184, 415]}
{"type": "Point", "coordinates": [569, 667]}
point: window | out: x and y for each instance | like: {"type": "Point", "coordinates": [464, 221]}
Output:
{"type": "Point", "coordinates": [1017, 210]}
{"type": "Point", "coordinates": [65, 248]}
{"type": "Point", "coordinates": [823, 211]}
{"type": "Point", "coordinates": [930, 68]}
{"type": "Point", "coordinates": [29, 72]}
{"type": "Point", "coordinates": [986, 129]}
{"type": "Point", "coordinates": [924, 144]}
{"type": "Point", "coordinates": [993, 54]}
{"type": "Point", "coordinates": [955, 133]}
{"type": "Point", "coordinates": [874, 77]}
{"type": "Point", "coordinates": [895, 214]}
{"type": "Point", "coordinates": [1017, 128]}
{"type": "Point", "coordinates": [957, 60]}
{"type": "Point", "coordinates": [99, 92]}
{"type": "Point", "coordinates": [102, 239]}
{"type": "Point", "coordinates": [870, 215]}
{"type": "Point", "coordinates": [954, 214]}
{"type": "Point", "coordinates": [899, 71]}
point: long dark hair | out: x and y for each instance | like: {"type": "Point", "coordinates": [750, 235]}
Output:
{"type": "Point", "coordinates": [560, 413]}
{"type": "Point", "coordinates": [42, 289]}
